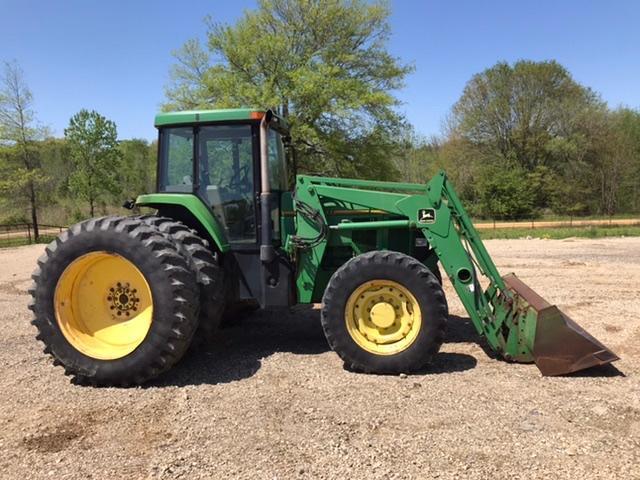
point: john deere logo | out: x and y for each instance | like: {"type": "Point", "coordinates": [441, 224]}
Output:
{"type": "Point", "coordinates": [426, 215]}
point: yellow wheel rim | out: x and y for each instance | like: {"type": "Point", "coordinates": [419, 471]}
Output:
{"type": "Point", "coordinates": [383, 317]}
{"type": "Point", "coordinates": [103, 305]}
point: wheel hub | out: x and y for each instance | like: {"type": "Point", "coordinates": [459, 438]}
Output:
{"type": "Point", "coordinates": [383, 317]}
{"type": "Point", "coordinates": [123, 299]}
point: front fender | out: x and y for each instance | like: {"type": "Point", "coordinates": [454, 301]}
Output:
{"type": "Point", "coordinates": [194, 206]}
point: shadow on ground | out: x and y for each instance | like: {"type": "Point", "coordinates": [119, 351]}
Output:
{"type": "Point", "coordinates": [608, 370]}
{"type": "Point", "coordinates": [461, 330]}
{"type": "Point", "coordinates": [239, 348]}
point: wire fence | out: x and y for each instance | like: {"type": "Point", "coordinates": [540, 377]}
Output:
{"type": "Point", "coordinates": [564, 223]}
{"type": "Point", "coordinates": [24, 234]}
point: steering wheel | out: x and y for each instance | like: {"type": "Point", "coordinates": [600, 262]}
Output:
{"type": "Point", "coordinates": [240, 182]}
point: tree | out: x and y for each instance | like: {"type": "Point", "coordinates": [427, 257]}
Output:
{"type": "Point", "coordinates": [138, 167]}
{"type": "Point", "coordinates": [527, 112]}
{"type": "Point", "coordinates": [93, 146]}
{"type": "Point", "coordinates": [323, 64]}
{"type": "Point", "coordinates": [22, 174]}
{"type": "Point", "coordinates": [534, 117]}
{"type": "Point", "coordinates": [621, 167]}
{"type": "Point", "coordinates": [417, 158]}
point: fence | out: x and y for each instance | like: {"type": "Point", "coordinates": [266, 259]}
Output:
{"type": "Point", "coordinates": [23, 234]}
{"type": "Point", "coordinates": [571, 222]}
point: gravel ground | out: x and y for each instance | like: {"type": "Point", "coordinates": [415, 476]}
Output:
{"type": "Point", "coordinates": [269, 400]}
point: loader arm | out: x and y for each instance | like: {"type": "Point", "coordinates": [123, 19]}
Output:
{"type": "Point", "coordinates": [517, 323]}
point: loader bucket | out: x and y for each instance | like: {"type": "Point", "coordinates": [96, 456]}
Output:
{"type": "Point", "coordinates": [560, 345]}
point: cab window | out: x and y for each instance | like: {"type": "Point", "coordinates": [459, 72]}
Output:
{"type": "Point", "coordinates": [227, 178]}
{"type": "Point", "coordinates": [277, 162]}
{"type": "Point", "coordinates": [176, 160]}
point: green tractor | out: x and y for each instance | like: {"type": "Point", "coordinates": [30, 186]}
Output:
{"type": "Point", "coordinates": [118, 300]}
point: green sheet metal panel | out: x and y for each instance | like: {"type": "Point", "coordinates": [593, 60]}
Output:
{"type": "Point", "coordinates": [191, 117]}
{"type": "Point", "coordinates": [194, 205]}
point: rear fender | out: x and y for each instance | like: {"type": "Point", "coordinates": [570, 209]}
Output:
{"type": "Point", "coordinates": [189, 209]}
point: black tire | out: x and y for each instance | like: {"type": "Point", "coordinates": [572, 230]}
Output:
{"type": "Point", "coordinates": [406, 271]}
{"type": "Point", "coordinates": [205, 265]}
{"type": "Point", "coordinates": [173, 288]}
{"type": "Point", "coordinates": [437, 273]}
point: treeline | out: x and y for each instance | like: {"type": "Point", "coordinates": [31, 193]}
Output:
{"type": "Point", "coordinates": [47, 180]}
{"type": "Point", "coordinates": [57, 201]}
{"type": "Point", "coordinates": [526, 139]}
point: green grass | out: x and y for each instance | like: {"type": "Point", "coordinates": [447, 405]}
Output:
{"type": "Point", "coordinates": [505, 233]}
{"type": "Point", "coordinates": [21, 241]}
{"type": "Point", "coordinates": [563, 232]}
{"type": "Point", "coordinates": [561, 218]}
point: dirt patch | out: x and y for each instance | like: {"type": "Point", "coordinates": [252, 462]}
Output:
{"type": "Point", "coordinates": [268, 399]}
{"type": "Point", "coordinates": [54, 439]}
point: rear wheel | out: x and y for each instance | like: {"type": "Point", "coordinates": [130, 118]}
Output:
{"type": "Point", "coordinates": [114, 302]}
{"type": "Point", "coordinates": [384, 312]}
{"type": "Point", "coordinates": [204, 263]}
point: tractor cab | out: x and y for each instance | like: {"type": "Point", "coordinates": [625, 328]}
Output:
{"type": "Point", "coordinates": [215, 155]}
{"type": "Point", "coordinates": [237, 163]}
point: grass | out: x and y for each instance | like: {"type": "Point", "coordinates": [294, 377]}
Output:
{"type": "Point", "coordinates": [504, 233]}
{"type": "Point", "coordinates": [21, 241]}
{"type": "Point", "coordinates": [561, 218]}
{"type": "Point", "coordinates": [563, 232]}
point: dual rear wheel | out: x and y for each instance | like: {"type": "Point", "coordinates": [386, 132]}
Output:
{"type": "Point", "coordinates": [118, 300]}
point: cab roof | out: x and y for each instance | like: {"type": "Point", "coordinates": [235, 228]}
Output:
{"type": "Point", "coordinates": [190, 117]}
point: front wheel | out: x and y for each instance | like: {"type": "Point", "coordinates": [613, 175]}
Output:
{"type": "Point", "coordinates": [384, 312]}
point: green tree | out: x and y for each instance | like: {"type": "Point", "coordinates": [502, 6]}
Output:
{"type": "Point", "coordinates": [534, 116]}
{"type": "Point", "coordinates": [619, 166]}
{"type": "Point", "coordinates": [417, 158]}
{"type": "Point", "coordinates": [138, 167]}
{"type": "Point", "coordinates": [22, 176]}
{"type": "Point", "coordinates": [506, 193]}
{"type": "Point", "coordinates": [93, 146]}
{"type": "Point", "coordinates": [323, 64]}
{"type": "Point", "coordinates": [526, 112]}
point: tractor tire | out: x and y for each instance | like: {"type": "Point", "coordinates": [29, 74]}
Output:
{"type": "Point", "coordinates": [114, 302]}
{"type": "Point", "coordinates": [384, 312]}
{"type": "Point", "coordinates": [437, 273]}
{"type": "Point", "coordinates": [205, 265]}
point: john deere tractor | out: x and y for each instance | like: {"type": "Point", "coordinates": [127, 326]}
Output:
{"type": "Point", "coordinates": [117, 300]}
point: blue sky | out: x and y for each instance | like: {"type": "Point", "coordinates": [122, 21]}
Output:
{"type": "Point", "coordinates": [114, 56]}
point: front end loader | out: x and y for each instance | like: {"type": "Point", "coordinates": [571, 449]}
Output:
{"type": "Point", "coordinates": [118, 300]}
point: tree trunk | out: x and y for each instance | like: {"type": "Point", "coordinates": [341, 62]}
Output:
{"type": "Point", "coordinates": [34, 212]}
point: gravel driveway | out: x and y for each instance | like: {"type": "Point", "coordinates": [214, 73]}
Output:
{"type": "Point", "coordinates": [269, 400]}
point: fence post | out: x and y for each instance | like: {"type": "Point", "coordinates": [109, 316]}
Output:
{"type": "Point", "coordinates": [29, 232]}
